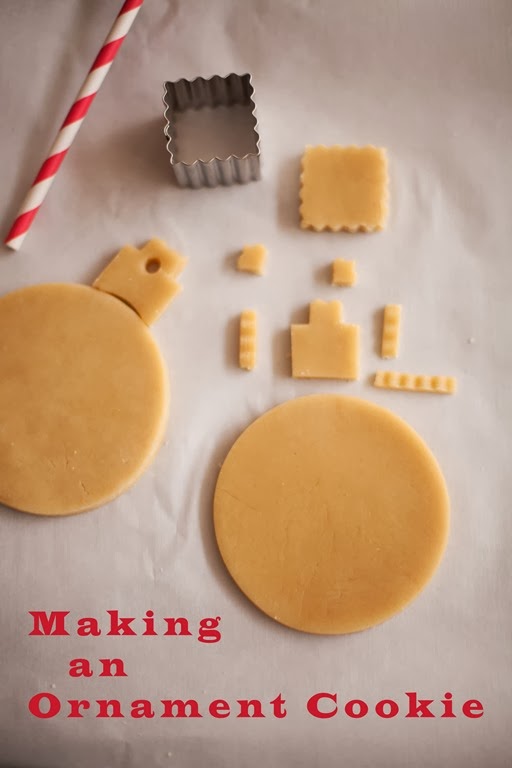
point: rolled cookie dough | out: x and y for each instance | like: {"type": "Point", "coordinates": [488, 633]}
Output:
{"type": "Point", "coordinates": [331, 514]}
{"type": "Point", "coordinates": [83, 387]}
{"type": "Point", "coordinates": [83, 398]}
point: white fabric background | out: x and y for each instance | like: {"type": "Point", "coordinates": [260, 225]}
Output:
{"type": "Point", "coordinates": [430, 80]}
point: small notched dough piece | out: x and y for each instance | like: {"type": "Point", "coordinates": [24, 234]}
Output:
{"type": "Point", "coordinates": [252, 259]}
{"type": "Point", "coordinates": [391, 331]}
{"type": "Point", "coordinates": [84, 393]}
{"type": "Point", "coordinates": [343, 273]}
{"type": "Point", "coordinates": [344, 188]}
{"type": "Point", "coordinates": [325, 348]}
{"type": "Point", "coordinates": [331, 514]}
{"type": "Point", "coordinates": [411, 382]}
{"type": "Point", "coordinates": [248, 339]}
{"type": "Point", "coordinates": [144, 279]}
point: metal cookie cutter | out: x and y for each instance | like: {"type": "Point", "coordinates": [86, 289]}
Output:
{"type": "Point", "coordinates": [183, 95]}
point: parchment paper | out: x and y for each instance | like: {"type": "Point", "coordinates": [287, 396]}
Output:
{"type": "Point", "coordinates": [431, 81]}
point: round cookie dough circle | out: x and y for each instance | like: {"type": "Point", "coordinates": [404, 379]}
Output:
{"type": "Point", "coordinates": [83, 398]}
{"type": "Point", "coordinates": [330, 513]}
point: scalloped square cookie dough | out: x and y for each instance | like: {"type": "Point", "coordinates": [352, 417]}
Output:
{"type": "Point", "coordinates": [344, 188]}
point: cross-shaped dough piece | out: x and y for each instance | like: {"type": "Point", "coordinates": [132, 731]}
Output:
{"type": "Point", "coordinates": [326, 348]}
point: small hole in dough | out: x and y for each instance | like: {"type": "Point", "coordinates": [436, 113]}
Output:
{"type": "Point", "coordinates": [153, 265]}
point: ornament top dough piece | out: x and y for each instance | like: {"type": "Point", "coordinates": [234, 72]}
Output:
{"type": "Point", "coordinates": [83, 391]}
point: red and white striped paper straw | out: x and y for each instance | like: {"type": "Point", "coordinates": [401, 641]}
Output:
{"type": "Point", "coordinates": [72, 123]}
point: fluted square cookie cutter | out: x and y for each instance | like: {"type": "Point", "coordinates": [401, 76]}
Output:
{"type": "Point", "coordinates": [184, 95]}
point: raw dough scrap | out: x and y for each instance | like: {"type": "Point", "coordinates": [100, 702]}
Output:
{"type": "Point", "coordinates": [252, 259]}
{"type": "Point", "coordinates": [83, 398]}
{"type": "Point", "coordinates": [331, 514]}
{"type": "Point", "coordinates": [343, 272]}
{"type": "Point", "coordinates": [344, 188]}
{"type": "Point", "coordinates": [326, 348]}
{"type": "Point", "coordinates": [144, 279]}
{"type": "Point", "coordinates": [248, 339]}
{"type": "Point", "coordinates": [391, 331]}
{"type": "Point", "coordinates": [410, 382]}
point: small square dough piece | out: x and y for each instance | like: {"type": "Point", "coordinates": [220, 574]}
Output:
{"type": "Point", "coordinates": [343, 272]}
{"type": "Point", "coordinates": [252, 259]}
{"type": "Point", "coordinates": [325, 348]}
{"type": "Point", "coordinates": [344, 188]}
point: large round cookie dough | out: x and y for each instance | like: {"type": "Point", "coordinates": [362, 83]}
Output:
{"type": "Point", "coordinates": [330, 513]}
{"type": "Point", "coordinates": [83, 398]}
